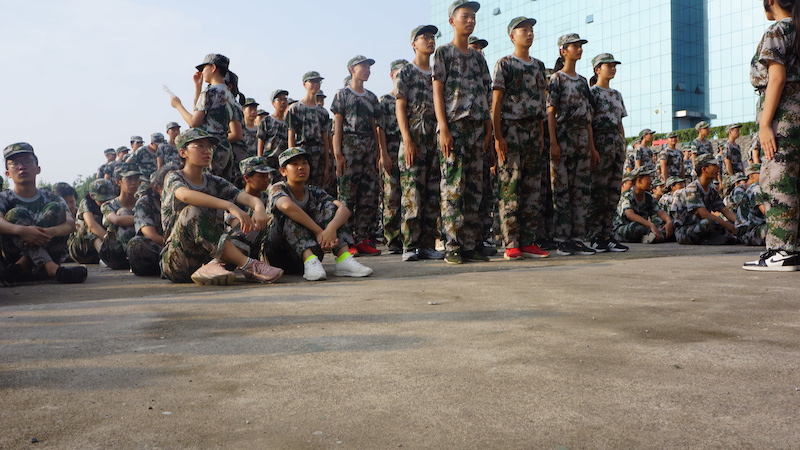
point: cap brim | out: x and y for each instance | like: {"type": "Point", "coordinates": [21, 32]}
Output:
{"type": "Point", "coordinates": [531, 21]}
{"type": "Point", "coordinates": [474, 5]}
{"type": "Point", "coordinates": [279, 93]}
{"type": "Point", "coordinates": [200, 67]}
{"type": "Point", "coordinates": [427, 29]}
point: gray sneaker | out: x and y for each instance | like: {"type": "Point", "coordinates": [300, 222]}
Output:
{"type": "Point", "coordinates": [429, 253]}
{"type": "Point", "coordinates": [410, 255]}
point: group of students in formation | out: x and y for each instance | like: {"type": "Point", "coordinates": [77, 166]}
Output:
{"type": "Point", "coordinates": [267, 194]}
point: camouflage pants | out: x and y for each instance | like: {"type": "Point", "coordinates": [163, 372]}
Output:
{"type": "Point", "coordinates": [287, 240]}
{"type": "Point", "coordinates": [462, 186]}
{"type": "Point", "coordinates": [13, 248]}
{"type": "Point", "coordinates": [222, 161]}
{"type": "Point", "coordinates": [114, 250]}
{"type": "Point", "coordinates": [197, 237]}
{"type": "Point", "coordinates": [251, 244]}
{"type": "Point", "coordinates": [391, 192]}
{"type": "Point", "coordinates": [546, 225]}
{"type": "Point", "coordinates": [81, 246]}
{"type": "Point", "coordinates": [420, 187]}
{"type": "Point", "coordinates": [489, 201]}
{"type": "Point", "coordinates": [143, 256]}
{"type": "Point", "coordinates": [695, 234]}
{"type": "Point", "coordinates": [359, 184]}
{"type": "Point", "coordinates": [519, 187]}
{"type": "Point", "coordinates": [755, 236]}
{"type": "Point", "coordinates": [316, 154]}
{"type": "Point", "coordinates": [632, 232]}
{"type": "Point", "coordinates": [571, 180]}
{"type": "Point", "coordinates": [606, 182]}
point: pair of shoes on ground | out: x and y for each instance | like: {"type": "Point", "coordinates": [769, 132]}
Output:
{"type": "Point", "coordinates": [66, 275]}
{"type": "Point", "coordinates": [215, 273]}
{"type": "Point", "coordinates": [460, 256]}
{"type": "Point", "coordinates": [414, 254]}
{"type": "Point", "coordinates": [526, 251]}
{"type": "Point", "coordinates": [774, 261]}
{"type": "Point", "coordinates": [348, 267]}
{"type": "Point", "coordinates": [601, 245]}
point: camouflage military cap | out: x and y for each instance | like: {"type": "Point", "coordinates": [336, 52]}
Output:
{"type": "Point", "coordinates": [125, 170]}
{"type": "Point", "coordinates": [250, 102]}
{"type": "Point", "coordinates": [123, 149]}
{"type": "Point", "coordinates": [732, 126]}
{"type": "Point", "coordinates": [672, 181]}
{"type": "Point", "coordinates": [313, 75]}
{"type": "Point", "coordinates": [475, 6]}
{"type": "Point", "coordinates": [519, 21]}
{"type": "Point", "coordinates": [291, 100]}
{"type": "Point", "coordinates": [215, 59]}
{"type": "Point", "coordinates": [658, 182]}
{"type": "Point", "coordinates": [645, 132]}
{"type": "Point", "coordinates": [571, 38]}
{"type": "Point", "coordinates": [397, 64]}
{"type": "Point", "coordinates": [291, 153]}
{"type": "Point", "coordinates": [753, 168]}
{"type": "Point", "coordinates": [278, 92]}
{"type": "Point", "coordinates": [255, 164]}
{"type": "Point", "coordinates": [158, 138]}
{"type": "Point", "coordinates": [194, 134]}
{"type": "Point", "coordinates": [737, 177]}
{"type": "Point", "coordinates": [672, 134]}
{"type": "Point", "coordinates": [703, 160]}
{"type": "Point", "coordinates": [16, 149]}
{"type": "Point", "coordinates": [109, 151]}
{"type": "Point", "coordinates": [422, 29]}
{"type": "Point", "coordinates": [642, 172]}
{"type": "Point", "coordinates": [261, 112]}
{"type": "Point", "coordinates": [101, 190]}
{"type": "Point", "coordinates": [701, 125]}
{"type": "Point", "coordinates": [604, 58]}
{"type": "Point", "coordinates": [359, 59]}
{"type": "Point", "coordinates": [321, 94]}
{"type": "Point", "coordinates": [173, 125]}
{"type": "Point", "coordinates": [483, 43]}
{"type": "Point", "coordinates": [137, 139]}
{"type": "Point", "coordinates": [626, 176]}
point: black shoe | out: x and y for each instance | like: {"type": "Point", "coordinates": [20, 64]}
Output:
{"type": "Point", "coordinates": [582, 249]}
{"type": "Point", "coordinates": [453, 257]}
{"type": "Point", "coordinates": [395, 247]}
{"type": "Point", "coordinates": [600, 245]}
{"type": "Point", "coordinates": [485, 250]}
{"type": "Point", "coordinates": [614, 246]}
{"type": "Point", "coordinates": [547, 244]}
{"type": "Point", "coordinates": [475, 255]}
{"type": "Point", "coordinates": [10, 275]}
{"type": "Point", "coordinates": [566, 248]}
{"type": "Point", "coordinates": [774, 261]}
{"type": "Point", "coordinates": [70, 275]}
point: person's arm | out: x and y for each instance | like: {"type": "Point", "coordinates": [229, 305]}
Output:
{"type": "Point", "coordinates": [772, 97]}
{"type": "Point", "coordinates": [445, 138]}
{"type": "Point", "coordinates": [292, 139]}
{"type": "Point", "coordinates": [410, 150]}
{"type": "Point", "coordinates": [325, 237]}
{"type": "Point", "coordinates": [29, 234]}
{"type": "Point", "coordinates": [729, 166]}
{"type": "Point", "coordinates": [669, 227]}
{"type": "Point", "coordinates": [594, 155]}
{"type": "Point", "coordinates": [326, 156]}
{"type": "Point", "coordinates": [260, 147]}
{"type": "Point", "coordinates": [631, 215]}
{"type": "Point", "coordinates": [93, 225]}
{"type": "Point", "coordinates": [704, 213]}
{"type": "Point", "coordinates": [193, 119]}
{"type": "Point", "coordinates": [203, 200]}
{"type": "Point", "coordinates": [500, 143]}
{"type": "Point", "coordinates": [151, 233]}
{"type": "Point", "coordinates": [260, 217]}
{"type": "Point", "coordinates": [159, 162]}
{"type": "Point", "coordinates": [235, 133]}
{"type": "Point", "coordinates": [384, 161]}
{"type": "Point", "coordinates": [337, 144]}
{"type": "Point", "coordinates": [663, 164]}
{"type": "Point", "coordinates": [555, 149]}
{"type": "Point", "coordinates": [120, 220]}
{"type": "Point", "coordinates": [730, 215]}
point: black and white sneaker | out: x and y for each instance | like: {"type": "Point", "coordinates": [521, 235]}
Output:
{"type": "Point", "coordinates": [582, 249]}
{"type": "Point", "coordinates": [615, 246]}
{"type": "Point", "coordinates": [566, 248]}
{"type": "Point", "coordinates": [774, 261]}
{"type": "Point", "coordinates": [600, 245]}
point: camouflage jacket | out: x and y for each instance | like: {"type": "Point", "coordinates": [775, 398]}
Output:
{"type": "Point", "coordinates": [467, 83]}
{"type": "Point", "coordinates": [523, 84]}
{"type": "Point", "coordinates": [571, 98]}
{"type": "Point", "coordinates": [360, 113]}
{"type": "Point", "coordinates": [275, 135]}
{"type": "Point", "coordinates": [608, 109]}
{"type": "Point", "coordinates": [308, 123]}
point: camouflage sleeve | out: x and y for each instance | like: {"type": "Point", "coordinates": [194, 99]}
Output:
{"type": "Point", "coordinates": [320, 195]}
{"type": "Point", "coordinates": [143, 213]}
{"type": "Point", "coordinates": [776, 45]}
{"type": "Point", "coordinates": [108, 207]}
{"type": "Point", "coordinates": [276, 191]}
{"type": "Point", "coordinates": [625, 201]}
{"type": "Point", "coordinates": [554, 92]}
{"type": "Point", "coordinates": [624, 112]}
{"type": "Point", "coordinates": [377, 110]}
{"type": "Point", "coordinates": [400, 84]}
{"type": "Point", "coordinates": [204, 101]}
{"type": "Point", "coordinates": [499, 75]}
{"type": "Point", "coordinates": [261, 133]}
{"type": "Point", "coordinates": [663, 155]}
{"type": "Point", "coordinates": [758, 195]}
{"type": "Point", "coordinates": [337, 105]}
{"type": "Point", "coordinates": [238, 113]}
{"type": "Point", "coordinates": [222, 188]}
{"type": "Point", "coordinates": [439, 69]}
{"type": "Point", "coordinates": [692, 200]}
{"type": "Point", "coordinates": [650, 206]}
{"type": "Point", "coordinates": [693, 146]}
{"type": "Point", "coordinates": [716, 201]}
{"type": "Point", "coordinates": [5, 201]}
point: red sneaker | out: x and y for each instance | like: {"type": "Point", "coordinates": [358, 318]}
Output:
{"type": "Point", "coordinates": [353, 250]}
{"type": "Point", "coordinates": [366, 249]}
{"type": "Point", "coordinates": [533, 251]}
{"type": "Point", "coordinates": [513, 253]}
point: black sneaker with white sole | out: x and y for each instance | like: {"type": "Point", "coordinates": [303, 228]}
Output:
{"type": "Point", "coordinates": [615, 246]}
{"type": "Point", "coordinates": [582, 249]}
{"type": "Point", "coordinates": [600, 245]}
{"type": "Point", "coordinates": [774, 261]}
{"type": "Point", "coordinates": [566, 248]}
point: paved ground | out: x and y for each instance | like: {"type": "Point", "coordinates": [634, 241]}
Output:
{"type": "Point", "coordinates": [661, 347]}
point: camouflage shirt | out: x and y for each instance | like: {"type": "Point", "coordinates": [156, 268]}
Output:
{"type": "Point", "coordinates": [275, 135]}
{"type": "Point", "coordinates": [249, 142]}
{"type": "Point", "coordinates": [169, 153]}
{"type": "Point", "coordinates": [109, 170]}
{"type": "Point", "coordinates": [689, 199]}
{"type": "Point", "coordinates": [646, 208]}
{"type": "Point", "coordinates": [608, 109]}
{"type": "Point", "coordinates": [360, 112]}
{"type": "Point", "coordinates": [777, 45]}
{"type": "Point", "coordinates": [170, 205]}
{"type": "Point", "coordinates": [313, 199]}
{"type": "Point", "coordinates": [630, 156]}
{"type": "Point", "coordinates": [748, 213]}
{"type": "Point", "coordinates": [219, 106]}
{"type": "Point", "coordinates": [84, 207]}
{"type": "Point", "coordinates": [467, 83]}
{"type": "Point", "coordinates": [665, 202]}
{"type": "Point", "coordinates": [388, 120]}
{"type": "Point", "coordinates": [734, 199]}
{"type": "Point", "coordinates": [731, 151]}
{"type": "Point", "coordinates": [10, 200]}
{"type": "Point", "coordinates": [415, 85]}
{"type": "Point", "coordinates": [523, 84]}
{"type": "Point", "coordinates": [571, 98]}
{"type": "Point", "coordinates": [674, 159]}
{"type": "Point", "coordinates": [147, 213]}
{"type": "Point", "coordinates": [702, 147]}
{"type": "Point", "coordinates": [645, 155]}
{"type": "Point", "coordinates": [145, 161]}
{"type": "Point", "coordinates": [308, 123]}
{"type": "Point", "coordinates": [124, 234]}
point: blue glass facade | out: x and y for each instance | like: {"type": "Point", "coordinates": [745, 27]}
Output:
{"type": "Point", "coordinates": [682, 60]}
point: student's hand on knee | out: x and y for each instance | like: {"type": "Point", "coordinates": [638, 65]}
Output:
{"type": "Point", "coordinates": [260, 220]}
{"type": "Point", "coordinates": [34, 235]}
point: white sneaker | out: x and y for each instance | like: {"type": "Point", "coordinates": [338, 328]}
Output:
{"type": "Point", "coordinates": [773, 261]}
{"type": "Point", "coordinates": [352, 268]}
{"type": "Point", "coordinates": [313, 270]}
{"type": "Point", "coordinates": [649, 238]}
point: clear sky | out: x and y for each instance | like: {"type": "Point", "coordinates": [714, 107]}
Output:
{"type": "Point", "coordinates": [81, 76]}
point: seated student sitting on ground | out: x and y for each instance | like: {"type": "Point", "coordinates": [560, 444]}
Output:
{"type": "Point", "coordinates": [307, 222]}
{"type": "Point", "coordinates": [636, 206]}
{"type": "Point", "coordinates": [34, 225]}
{"type": "Point", "coordinates": [735, 191]}
{"type": "Point", "coordinates": [751, 223]}
{"type": "Point", "coordinates": [256, 178]}
{"type": "Point", "coordinates": [197, 247]}
{"type": "Point", "coordinates": [695, 209]}
{"type": "Point", "coordinates": [118, 217]}
{"type": "Point", "coordinates": [85, 243]}
{"type": "Point", "coordinates": [144, 249]}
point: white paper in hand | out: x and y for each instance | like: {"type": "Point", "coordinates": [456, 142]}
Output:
{"type": "Point", "coordinates": [166, 89]}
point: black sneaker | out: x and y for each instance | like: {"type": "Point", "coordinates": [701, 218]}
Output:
{"type": "Point", "coordinates": [395, 248]}
{"type": "Point", "coordinates": [566, 248]}
{"type": "Point", "coordinates": [600, 245]}
{"type": "Point", "coordinates": [453, 257]}
{"type": "Point", "coordinates": [582, 249]}
{"type": "Point", "coordinates": [10, 275]}
{"type": "Point", "coordinates": [547, 244]}
{"type": "Point", "coordinates": [774, 261]}
{"type": "Point", "coordinates": [614, 246]}
{"type": "Point", "coordinates": [485, 250]}
{"type": "Point", "coordinates": [475, 255]}
{"type": "Point", "coordinates": [69, 275]}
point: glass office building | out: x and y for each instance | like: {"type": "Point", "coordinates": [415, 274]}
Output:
{"type": "Point", "coordinates": [682, 60]}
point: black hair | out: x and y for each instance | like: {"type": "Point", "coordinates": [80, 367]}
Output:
{"type": "Point", "coordinates": [559, 64]}
{"type": "Point", "coordinates": [91, 205]}
{"type": "Point", "coordinates": [64, 190]}
{"type": "Point", "coordinates": [239, 182]}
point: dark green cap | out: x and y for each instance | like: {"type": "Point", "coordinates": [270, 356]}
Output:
{"type": "Point", "coordinates": [137, 139]}
{"type": "Point", "coordinates": [216, 59]}
{"type": "Point", "coordinates": [645, 132]}
{"type": "Point", "coordinates": [732, 126]}
{"type": "Point", "coordinates": [476, 40]}
{"type": "Point", "coordinates": [253, 164]}
{"type": "Point", "coordinates": [194, 134]}
{"type": "Point", "coordinates": [358, 59]}
{"type": "Point", "coordinates": [250, 102]}
{"type": "Point", "coordinates": [397, 64]}
{"type": "Point", "coordinates": [517, 21]}
{"type": "Point", "coordinates": [313, 75]}
{"type": "Point", "coordinates": [158, 138]}
{"type": "Point", "coordinates": [672, 181]}
{"type": "Point", "coordinates": [347, 80]}
{"type": "Point", "coordinates": [321, 94]}
{"type": "Point", "coordinates": [125, 170]}
{"type": "Point", "coordinates": [18, 148]}
{"type": "Point", "coordinates": [278, 92]}
{"type": "Point", "coordinates": [123, 149]}
{"type": "Point", "coordinates": [101, 190]}
{"type": "Point", "coordinates": [422, 29]}
{"type": "Point", "coordinates": [475, 6]}
{"type": "Point", "coordinates": [672, 134]}
{"type": "Point", "coordinates": [626, 176]}
{"type": "Point", "coordinates": [261, 112]}
{"type": "Point", "coordinates": [658, 182]}
{"type": "Point", "coordinates": [291, 153]}
{"type": "Point", "coordinates": [571, 38]}
{"type": "Point", "coordinates": [704, 160]}
{"type": "Point", "coordinates": [737, 177]}
{"type": "Point", "coordinates": [641, 172]}
{"type": "Point", "coordinates": [173, 125]}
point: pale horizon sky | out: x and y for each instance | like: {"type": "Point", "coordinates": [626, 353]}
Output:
{"type": "Point", "coordinates": [85, 75]}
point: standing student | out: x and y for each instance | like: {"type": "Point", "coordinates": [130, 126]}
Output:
{"type": "Point", "coordinates": [167, 153]}
{"type": "Point", "coordinates": [357, 145]}
{"type": "Point", "coordinates": [731, 153]}
{"type": "Point", "coordinates": [122, 154]}
{"type": "Point", "coordinates": [701, 145]}
{"type": "Point", "coordinates": [518, 111]}
{"type": "Point", "coordinates": [273, 133]}
{"type": "Point", "coordinates": [572, 151]}
{"type": "Point", "coordinates": [145, 158]}
{"type": "Point", "coordinates": [775, 73]}
{"type": "Point", "coordinates": [144, 249]}
{"type": "Point", "coordinates": [307, 126]}
{"type": "Point", "coordinates": [391, 178]}
{"type": "Point", "coordinates": [418, 157]}
{"type": "Point", "coordinates": [670, 159]}
{"type": "Point", "coordinates": [461, 94]}
{"type": "Point", "coordinates": [643, 156]}
{"type": "Point", "coordinates": [609, 140]}
{"type": "Point", "coordinates": [248, 145]}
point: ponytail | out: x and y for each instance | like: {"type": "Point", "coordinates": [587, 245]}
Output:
{"type": "Point", "coordinates": [593, 80]}
{"type": "Point", "coordinates": [559, 64]}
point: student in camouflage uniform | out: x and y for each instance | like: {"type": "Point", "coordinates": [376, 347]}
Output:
{"type": "Point", "coordinates": [145, 158]}
{"type": "Point", "coordinates": [307, 223]}
{"type": "Point", "coordinates": [307, 126]}
{"type": "Point", "coordinates": [256, 178]}
{"type": "Point", "coordinates": [670, 159]}
{"type": "Point", "coordinates": [630, 156]}
{"type": "Point", "coordinates": [197, 247]}
{"type": "Point", "coordinates": [118, 217]}
{"type": "Point", "coordinates": [735, 191]}
{"type": "Point", "coordinates": [518, 110]}
{"type": "Point", "coordinates": [136, 143]}
{"type": "Point", "coordinates": [273, 133]}
{"type": "Point", "coordinates": [391, 176]}
{"type": "Point", "coordinates": [643, 155]}
{"type": "Point", "coordinates": [247, 146]}
{"type": "Point", "coordinates": [701, 145]}
{"type": "Point", "coordinates": [751, 224]}
{"type": "Point", "coordinates": [34, 224]}
{"type": "Point", "coordinates": [84, 244]}
{"type": "Point", "coordinates": [122, 155]}
{"type": "Point", "coordinates": [731, 153]}
{"type": "Point", "coordinates": [672, 187]}
{"type": "Point", "coordinates": [633, 223]}
{"type": "Point", "coordinates": [462, 89]}
{"type": "Point", "coordinates": [418, 157]}
{"type": "Point", "coordinates": [144, 249]}
{"type": "Point", "coordinates": [357, 145]}
{"type": "Point", "coordinates": [694, 209]}
{"type": "Point", "coordinates": [213, 111]}
{"type": "Point", "coordinates": [688, 166]}
{"type": "Point", "coordinates": [775, 73]}
{"type": "Point", "coordinates": [572, 150]}
{"type": "Point", "coordinates": [609, 140]}
{"type": "Point", "coordinates": [110, 155]}
{"type": "Point", "coordinates": [167, 153]}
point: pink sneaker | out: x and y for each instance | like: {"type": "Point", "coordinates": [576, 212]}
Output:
{"type": "Point", "coordinates": [261, 272]}
{"type": "Point", "coordinates": [213, 273]}
{"type": "Point", "coordinates": [533, 251]}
